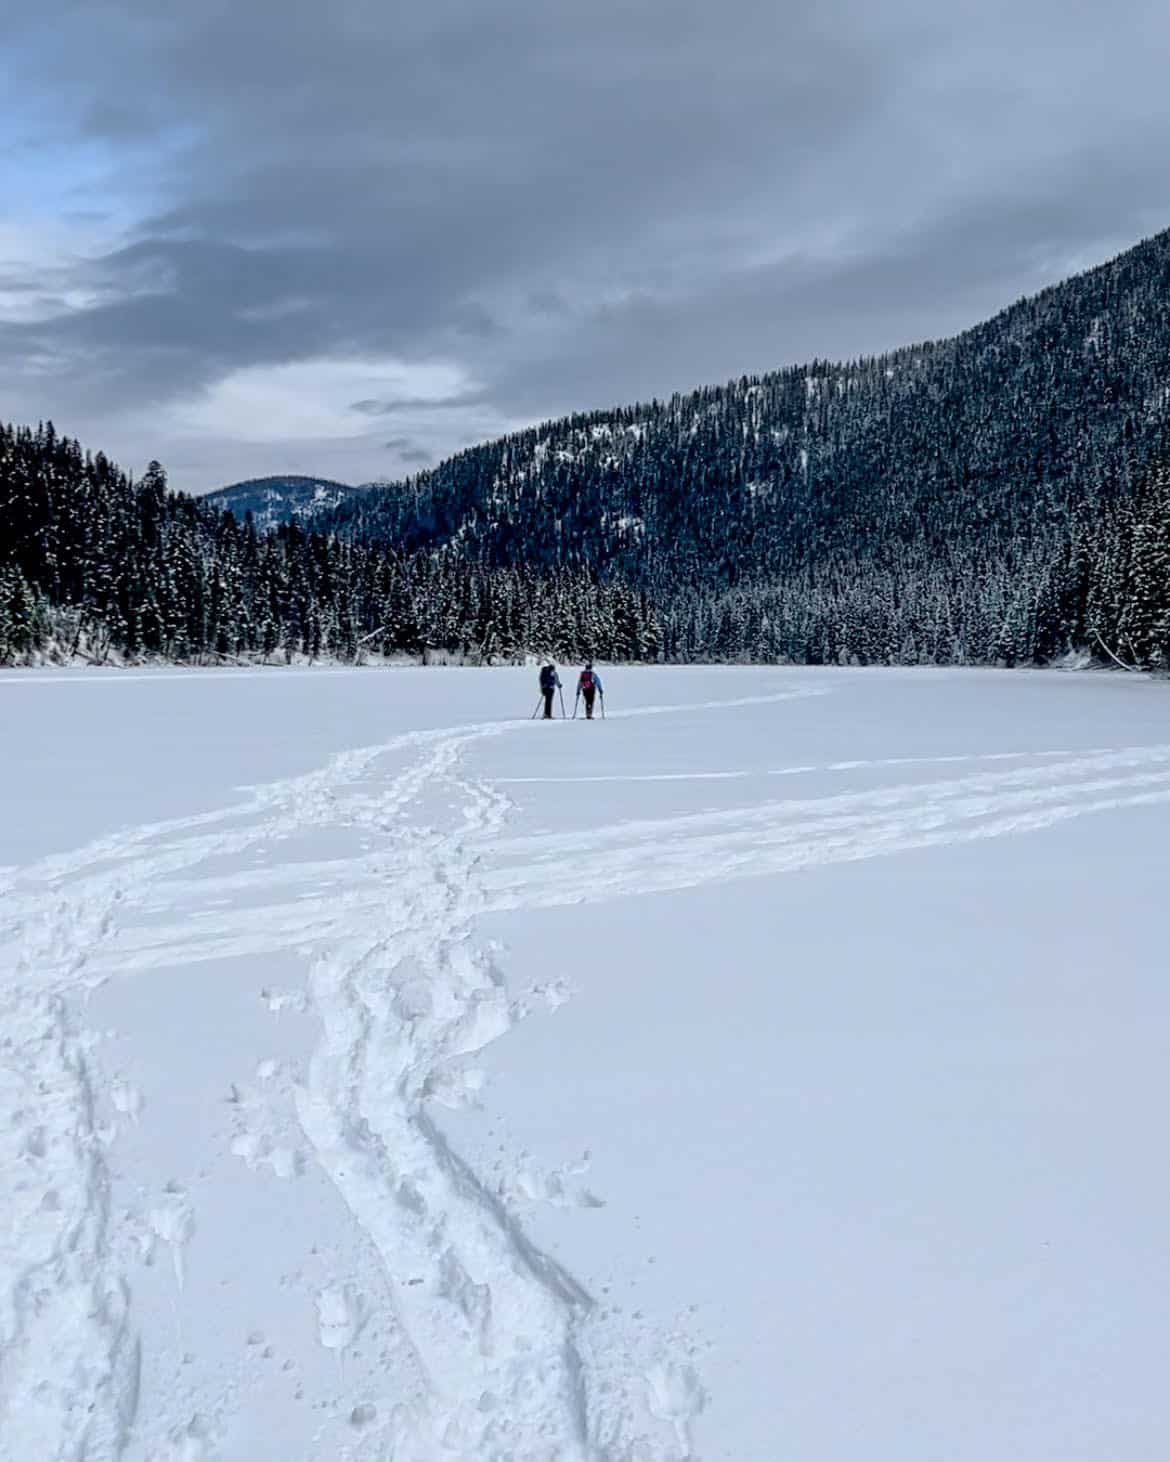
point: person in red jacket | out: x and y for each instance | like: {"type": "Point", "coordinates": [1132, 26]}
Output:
{"type": "Point", "coordinates": [589, 687]}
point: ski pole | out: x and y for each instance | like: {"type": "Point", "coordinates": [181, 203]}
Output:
{"type": "Point", "coordinates": [536, 708]}
{"type": "Point", "coordinates": [576, 703]}
{"type": "Point", "coordinates": [603, 705]}
{"type": "Point", "coordinates": [563, 716]}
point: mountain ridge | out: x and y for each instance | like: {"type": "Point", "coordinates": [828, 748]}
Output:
{"type": "Point", "coordinates": [280, 498]}
{"type": "Point", "coordinates": [1029, 414]}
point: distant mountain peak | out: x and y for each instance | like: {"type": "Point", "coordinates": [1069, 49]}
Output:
{"type": "Point", "coordinates": [273, 500]}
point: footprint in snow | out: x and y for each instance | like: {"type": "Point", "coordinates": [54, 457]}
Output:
{"type": "Point", "coordinates": [258, 1150]}
{"type": "Point", "coordinates": [676, 1396]}
{"type": "Point", "coordinates": [260, 1127]}
{"type": "Point", "coordinates": [455, 1087]}
{"type": "Point", "coordinates": [173, 1221]}
{"type": "Point", "coordinates": [532, 1183]}
{"type": "Point", "coordinates": [193, 1442]}
{"type": "Point", "coordinates": [127, 1100]}
{"type": "Point", "coordinates": [339, 1316]}
{"type": "Point", "coordinates": [278, 1000]}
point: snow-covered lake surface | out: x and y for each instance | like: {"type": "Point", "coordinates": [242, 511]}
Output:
{"type": "Point", "coordinates": [775, 1071]}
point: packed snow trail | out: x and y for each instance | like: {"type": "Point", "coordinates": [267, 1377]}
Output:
{"type": "Point", "coordinates": [68, 1358]}
{"type": "Point", "coordinates": [490, 1324]}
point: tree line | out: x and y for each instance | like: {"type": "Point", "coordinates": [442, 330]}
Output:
{"type": "Point", "coordinates": [94, 564]}
{"type": "Point", "coordinates": [98, 566]}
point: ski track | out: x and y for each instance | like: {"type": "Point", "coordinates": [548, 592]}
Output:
{"type": "Point", "coordinates": [741, 775]}
{"type": "Point", "coordinates": [504, 1353]}
{"type": "Point", "coordinates": [301, 905]}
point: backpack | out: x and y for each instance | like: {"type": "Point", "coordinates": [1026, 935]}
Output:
{"type": "Point", "coordinates": [587, 680]}
{"type": "Point", "coordinates": [548, 678]}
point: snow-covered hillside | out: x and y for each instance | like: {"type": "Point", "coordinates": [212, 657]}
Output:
{"type": "Point", "coordinates": [774, 1070]}
{"type": "Point", "coordinates": [273, 500]}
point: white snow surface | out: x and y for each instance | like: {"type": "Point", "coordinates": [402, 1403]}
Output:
{"type": "Point", "coordinates": [775, 1070]}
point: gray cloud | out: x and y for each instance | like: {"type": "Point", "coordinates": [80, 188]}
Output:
{"type": "Point", "coordinates": [407, 452]}
{"type": "Point", "coordinates": [569, 208]}
{"type": "Point", "coordinates": [391, 406]}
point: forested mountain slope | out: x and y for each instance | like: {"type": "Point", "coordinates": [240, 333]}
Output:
{"type": "Point", "coordinates": [910, 506]}
{"type": "Point", "coordinates": [272, 500]}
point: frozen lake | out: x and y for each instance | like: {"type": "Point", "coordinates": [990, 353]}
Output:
{"type": "Point", "coordinates": [774, 1070]}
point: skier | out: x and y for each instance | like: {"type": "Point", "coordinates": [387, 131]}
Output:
{"type": "Point", "coordinates": [589, 686]}
{"type": "Point", "coordinates": [550, 683]}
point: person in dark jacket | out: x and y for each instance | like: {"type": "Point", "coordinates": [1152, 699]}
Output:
{"type": "Point", "coordinates": [589, 687]}
{"type": "Point", "coordinates": [550, 683]}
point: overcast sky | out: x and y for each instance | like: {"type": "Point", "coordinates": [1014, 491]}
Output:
{"type": "Point", "coordinates": [346, 237]}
